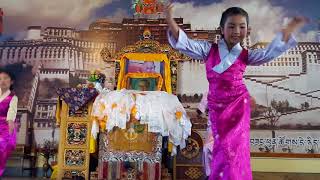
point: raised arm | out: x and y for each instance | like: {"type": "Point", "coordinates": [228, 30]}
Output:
{"type": "Point", "coordinates": [173, 26]}
{"type": "Point", "coordinates": [179, 40]}
{"type": "Point", "coordinates": [280, 44]}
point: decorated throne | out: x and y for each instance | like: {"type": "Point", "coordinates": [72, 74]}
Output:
{"type": "Point", "coordinates": [130, 148]}
{"type": "Point", "coordinates": [136, 151]}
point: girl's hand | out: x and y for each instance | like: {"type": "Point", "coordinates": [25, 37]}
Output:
{"type": "Point", "coordinates": [295, 24]}
{"type": "Point", "coordinates": [173, 26]}
{"type": "Point", "coordinates": [168, 10]}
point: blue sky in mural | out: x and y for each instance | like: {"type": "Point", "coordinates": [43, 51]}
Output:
{"type": "Point", "coordinates": [310, 8]}
{"type": "Point", "coordinates": [263, 13]}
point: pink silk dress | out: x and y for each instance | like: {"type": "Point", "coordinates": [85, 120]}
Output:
{"type": "Point", "coordinates": [229, 112]}
{"type": "Point", "coordinates": [7, 140]}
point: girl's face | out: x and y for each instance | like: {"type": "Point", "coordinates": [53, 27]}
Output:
{"type": "Point", "coordinates": [235, 30]}
{"type": "Point", "coordinates": [5, 81]}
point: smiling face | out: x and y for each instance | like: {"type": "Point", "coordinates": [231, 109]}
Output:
{"type": "Point", "coordinates": [234, 30]}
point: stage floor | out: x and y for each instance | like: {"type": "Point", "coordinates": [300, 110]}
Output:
{"type": "Point", "coordinates": [285, 176]}
{"type": "Point", "coordinates": [256, 176]}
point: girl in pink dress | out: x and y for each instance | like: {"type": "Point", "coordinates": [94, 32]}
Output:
{"type": "Point", "coordinates": [228, 97]}
{"type": "Point", "coordinates": [8, 111]}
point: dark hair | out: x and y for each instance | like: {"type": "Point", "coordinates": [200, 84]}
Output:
{"type": "Point", "coordinates": [232, 11]}
{"type": "Point", "coordinates": [11, 75]}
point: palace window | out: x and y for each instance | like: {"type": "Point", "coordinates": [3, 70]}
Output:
{"type": "Point", "coordinates": [35, 53]}
{"type": "Point", "coordinates": [45, 108]}
{"type": "Point", "coordinates": [8, 53]}
{"type": "Point", "coordinates": [13, 53]}
{"type": "Point", "coordinates": [30, 53]}
{"type": "Point", "coordinates": [44, 115]}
